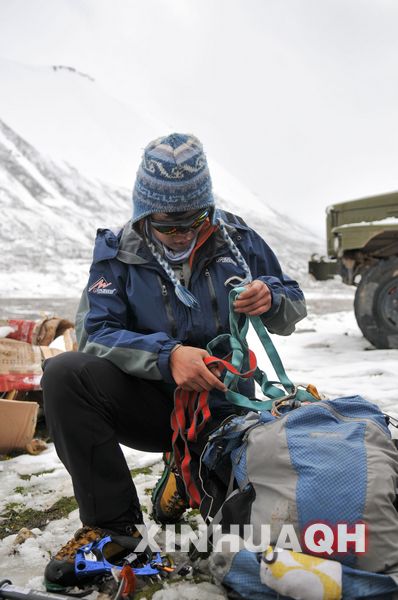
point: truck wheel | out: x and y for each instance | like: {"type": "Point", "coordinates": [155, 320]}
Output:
{"type": "Point", "coordinates": [376, 304]}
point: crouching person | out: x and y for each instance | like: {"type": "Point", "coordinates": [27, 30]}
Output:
{"type": "Point", "coordinates": [156, 295]}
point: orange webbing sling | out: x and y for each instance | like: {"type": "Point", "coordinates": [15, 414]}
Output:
{"type": "Point", "coordinates": [189, 417]}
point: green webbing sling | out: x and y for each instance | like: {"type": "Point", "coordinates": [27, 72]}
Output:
{"type": "Point", "coordinates": [283, 388]}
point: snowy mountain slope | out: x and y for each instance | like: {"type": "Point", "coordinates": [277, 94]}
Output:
{"type": "Point", "coordinates": [69, 116]}
{"type": "Point", "coordinates": [52, 213]}
{"type": "Point", "coordinates": [54, 117]}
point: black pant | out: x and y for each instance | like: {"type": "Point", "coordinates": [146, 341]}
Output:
{"type": "Point", "coordinates": [91, 406]}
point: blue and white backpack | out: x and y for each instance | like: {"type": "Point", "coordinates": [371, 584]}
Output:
{"type": "Point", "coordinates": [323, 470]}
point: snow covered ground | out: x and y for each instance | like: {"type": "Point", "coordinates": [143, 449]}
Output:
{"type": "Point", "coordinates": [327, 350]}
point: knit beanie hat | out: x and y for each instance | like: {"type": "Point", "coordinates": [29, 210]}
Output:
{"type": "Point", "coordinates": [172, 177]}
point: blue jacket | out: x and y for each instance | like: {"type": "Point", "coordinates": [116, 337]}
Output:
{"type": "Point", "coordinates": [130, 314]}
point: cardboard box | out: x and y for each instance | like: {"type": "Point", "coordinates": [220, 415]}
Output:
{"type": "Point", "coordinates": [17, 424]}
{"type": "Point", "coordinates": [20, 364]}
{"type": "Point", "coordinates": [21, 355]}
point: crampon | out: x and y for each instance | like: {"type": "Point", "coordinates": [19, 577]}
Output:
{"type": "Point", "coordinates": [119, 580]}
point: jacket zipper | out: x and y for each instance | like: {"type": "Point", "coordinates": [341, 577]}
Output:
{"type": "Point", "coordinates": [214, 303]}
{"type": "Point", "coordinates": [167, 304]}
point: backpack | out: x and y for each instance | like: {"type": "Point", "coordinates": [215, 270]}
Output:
{"type": "Point", "coordinates": [329, 462]}
{"type": "Point", "coordinates": [246, 576]}
{"type": "Point", "coordinates": [298, 461]}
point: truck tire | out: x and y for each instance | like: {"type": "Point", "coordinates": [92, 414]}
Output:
{"type": "Point", "coordinates": [376, 303]}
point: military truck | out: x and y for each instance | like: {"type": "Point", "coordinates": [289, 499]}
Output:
{"type": "Point", "coordinates": [362, 247]}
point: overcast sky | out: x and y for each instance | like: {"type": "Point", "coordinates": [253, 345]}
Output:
{"type": "Point", "coordinates": [297, 98]}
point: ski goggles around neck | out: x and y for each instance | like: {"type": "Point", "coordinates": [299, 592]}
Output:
{"type": "Point", "coordinates": [182, 225]}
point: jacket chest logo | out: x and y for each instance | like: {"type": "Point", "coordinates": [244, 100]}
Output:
{"type": "Point", "coordinates": [101, 286]}
{"type": "Point", "coordinates": [226, 259]}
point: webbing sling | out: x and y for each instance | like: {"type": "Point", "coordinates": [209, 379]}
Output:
{"type": "Point", "coordinates": [239, 325]}
{"type": "Point", "coordinates": [191, 409]}
{"type": "Point", "coordinates": [186, 429]}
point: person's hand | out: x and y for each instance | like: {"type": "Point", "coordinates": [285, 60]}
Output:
{"type": "Point", "coordinates": [190, 372]}
{"type": "Point", "coordinates": [255, 300]}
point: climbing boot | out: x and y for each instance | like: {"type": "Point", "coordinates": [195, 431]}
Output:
{"type": "Point", "coordinates": [169, 497]}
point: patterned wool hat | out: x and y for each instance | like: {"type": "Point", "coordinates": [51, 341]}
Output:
{"type": "Point", "coordinates": [172, 177]}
